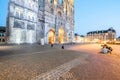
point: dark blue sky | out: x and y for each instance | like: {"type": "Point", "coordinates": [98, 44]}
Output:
{"type": "Point", "coordinates": [90, 15]}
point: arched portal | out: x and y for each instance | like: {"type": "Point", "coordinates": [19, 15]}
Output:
{"type": "Point", "coordinates": [18, 36]}
{"type": "Point", "coordinates": [30, 36]}
{"type": "Point", "coordinates": [61, 35]}
{"type": "Point", "coordinates": [67, 37]}
{"type": "Point", "coordinates": [51, 36]}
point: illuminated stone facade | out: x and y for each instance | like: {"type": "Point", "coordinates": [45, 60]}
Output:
{"type": "Point", "coordinates": [102, 36]}
{"type": "Point", "coordinates": [56, 18]}
{"type": "Point", "coordinates": [22, 21]}
{"type": "Point", "coordinates": [29, 21]}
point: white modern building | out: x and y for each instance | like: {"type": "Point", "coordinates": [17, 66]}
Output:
{"type": "Point", "coordinates": [29, 21]}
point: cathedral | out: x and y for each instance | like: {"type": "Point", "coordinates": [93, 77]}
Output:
{"type": "Point", "coordinates": [30, 21]}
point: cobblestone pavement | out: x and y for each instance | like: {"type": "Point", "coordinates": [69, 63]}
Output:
{"type": "Point", "coordinates": [61, 71]}
{"type": "Point", "coordinates": [29, 61]}
{"type": "Point", "coordinates": [99, 66]}
{"type": "Point", "coordinates": [78, 62]}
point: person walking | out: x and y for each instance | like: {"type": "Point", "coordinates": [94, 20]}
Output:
{"type": "Point", "coordinates": [51, 45]}
{"type": "Point", "coordinates": [62, 47]}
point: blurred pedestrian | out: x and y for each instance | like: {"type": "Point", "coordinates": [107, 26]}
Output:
{"type": "Point", "coordinates": [62, 47]}
{"type": "Point", "coordinates": [51, 45]}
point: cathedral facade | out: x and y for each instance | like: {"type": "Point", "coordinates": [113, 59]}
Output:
{"type": "Point", "coordinates": [29, 21]}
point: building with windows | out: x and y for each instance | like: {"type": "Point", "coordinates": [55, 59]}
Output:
{"type": "Point", "coordinates": [78, 38]}
{"type": "Point", "coordinates": [2, 35]}
{"type": "Point", "coordinates": [118, 40]}
{"type": "Point", "coordinates": [29, 21]}
{"type": "Point", "coordinates": [102, 36]}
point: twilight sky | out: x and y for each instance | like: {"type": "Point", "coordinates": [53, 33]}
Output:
{"type": "Point", "coordinates": [93, 15]}
{"type": "Point", "coordinates": [3, 12]}
{"type": "Point", "coordinates": [90, 15]}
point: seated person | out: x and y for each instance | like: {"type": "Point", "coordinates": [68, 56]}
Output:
{"type": "Point", "coordinates": [104, 50]}
{"type": "Point", "coordinates": [109, 49]}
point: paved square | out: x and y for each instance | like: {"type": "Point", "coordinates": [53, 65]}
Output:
{"type": "Point", "coordinates": [75, 62]}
